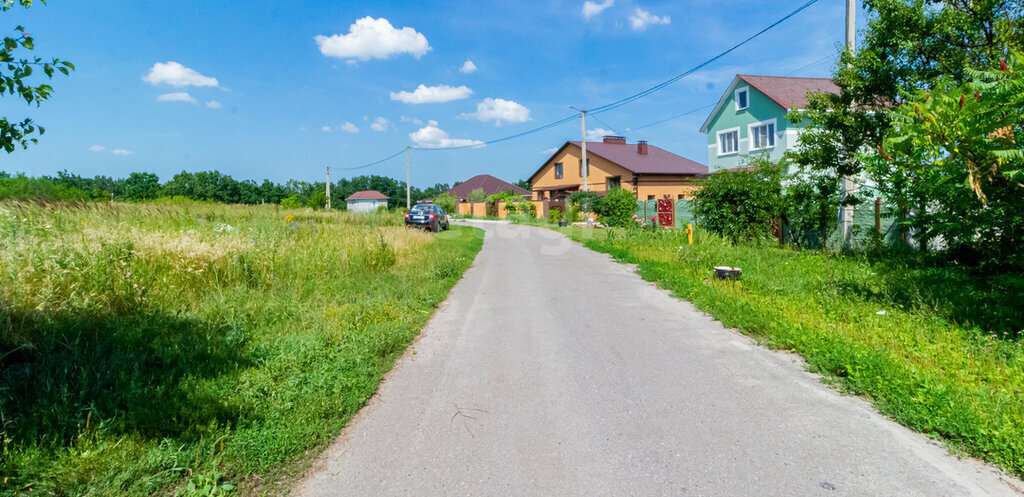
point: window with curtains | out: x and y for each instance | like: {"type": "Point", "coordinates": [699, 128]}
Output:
{"type": "Point", "coordinates": [729, 141]}
{"type": "Point", "coordinates": [762, 135]}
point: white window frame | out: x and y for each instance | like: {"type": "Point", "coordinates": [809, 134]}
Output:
{"type": "Point", "coordinates": [718, 138]}
{"type": "Point", "coordinates": [751, 133]}
{"type": "Point", "coordinates": [736, 97]}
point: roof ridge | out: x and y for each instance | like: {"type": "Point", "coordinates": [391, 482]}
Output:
{"type": "Point", "coordinates": [783, 77]}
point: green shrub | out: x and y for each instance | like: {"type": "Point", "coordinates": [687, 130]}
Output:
{"type": "Point", "coordinates": [572, 214]}
{"type": "Point", "coordinates": [477, 195]}
{"type": "Point", "coordinates": [446, 202]}
{"type": "Point", "coordinates": [585, 201]}
{"type": "Point", "coordinates": [510, 208]}
{"type": "Point", "coordinates": [291, 202]}
{"type": "Point", "coordinates": [317, 200]}
{"type": "Point", "coordinates": [528, 208]}
{"type": "Point", "coordinates": [617, 208]}
{"type": "Point", "coordinates": [554, 215]}
{"type": "Point", "coordinates": [740, 205]}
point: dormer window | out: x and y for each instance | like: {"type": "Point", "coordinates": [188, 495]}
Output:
{"type": "Point", "coordinates": [742, 98]}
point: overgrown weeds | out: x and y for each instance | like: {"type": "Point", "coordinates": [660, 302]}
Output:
{"type": "Point", "coordinates": [191, 349]}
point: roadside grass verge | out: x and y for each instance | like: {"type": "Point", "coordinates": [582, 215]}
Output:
{"type": "Point", "coordinates": [934, 348]}
{"type": "Point", "coordinates": [199, 349]}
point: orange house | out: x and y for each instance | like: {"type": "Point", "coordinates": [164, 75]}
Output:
{"type": "Point", "coordinates": [650, 172]}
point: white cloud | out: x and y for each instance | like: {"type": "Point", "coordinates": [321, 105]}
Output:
{"type": "Point", "coordinates": [467, 67]}
{"type": "Point", "coordinates": [641, 19]}
{"type": "Point", "coordinates": [325, 129]}
{"type": "Point", "coordinates": [380, 124]}
{"type": "Point", "coordinates": [213, 104]}
{"type": "Point", "coordinates": [349, 127]}
{"type": "Point", "coordinates": [591, 9]}
{"type": "Point", "coordinates": [498, 110]}
{"type": "Point", "coordinates": [432, 94]}
{"type": "Point", "coordinates": [598, 134]}
{"type": "Point", "coordinates": [177, 75]}
{"type": "Point", "coordinates": [121, 151]}
{"type": "Point", "coordinates": [407, 119]}
{"type": "Point", "coordinates": [430, 136]}
{"type": "Point", "coordinates": [97, 148]}
{"type": "Point", "coordinates": [179, 96]}
{"type": "Point", "coordinates": [371, 38]}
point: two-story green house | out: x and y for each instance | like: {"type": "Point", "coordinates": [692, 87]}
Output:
{"type": "Point", "coordinates": [751, 117]}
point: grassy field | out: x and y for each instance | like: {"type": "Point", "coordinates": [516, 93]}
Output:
{"type": "Point", "coordinates": [199, 349]}
{"type": "Point", "coordinates": [936, 348]}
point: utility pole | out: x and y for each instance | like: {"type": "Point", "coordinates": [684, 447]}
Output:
{"type": "Point", "coordinates": [328, 187]}
{"type": "Point", "coordinates": [846, 220]}
{"type": "Point", "coordinates": [408, 192]}
{"type": "Point", "coordinates": [584, 167]}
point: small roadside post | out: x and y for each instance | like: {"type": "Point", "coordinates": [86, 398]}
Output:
{"type": "Point", "coordinates": [689, 233]}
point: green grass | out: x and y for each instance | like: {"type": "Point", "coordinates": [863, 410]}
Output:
{"type": "Point", "coordinates": [192, 349]}
{"type": "Point", "coordinates": [944, 358]}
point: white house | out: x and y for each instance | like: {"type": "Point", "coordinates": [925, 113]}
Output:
{"type": "Point", "coordinates": [366, 201]}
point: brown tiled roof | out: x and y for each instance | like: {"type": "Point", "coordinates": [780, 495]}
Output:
{"type": "Point", "coordinates": [367, 194]}
{"type": "Point", "coordinates": [656, 161]}
{"type": "Point", "coordinates": [489, 184]}
{"type": "Point", "coordinates": [789, 92]}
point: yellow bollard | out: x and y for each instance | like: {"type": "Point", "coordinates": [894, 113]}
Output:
{"type": "Point", "coordinates": [689, 233]}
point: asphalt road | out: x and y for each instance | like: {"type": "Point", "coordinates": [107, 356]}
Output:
{"type": "Point", "coordinates": [552, 370]}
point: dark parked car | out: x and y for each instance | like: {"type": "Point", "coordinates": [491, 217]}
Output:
{"type": "Point", "coordinates": [427, 216]}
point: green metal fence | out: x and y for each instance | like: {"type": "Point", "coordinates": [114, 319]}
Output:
{"type": "Point", "coordinates": [863, 223]}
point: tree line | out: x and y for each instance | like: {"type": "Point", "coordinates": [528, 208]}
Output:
{"type": "Point", "coordinates": [204, 186]}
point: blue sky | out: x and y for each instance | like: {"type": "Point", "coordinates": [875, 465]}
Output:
{"type": "Point", "coordinates": [278, 90]}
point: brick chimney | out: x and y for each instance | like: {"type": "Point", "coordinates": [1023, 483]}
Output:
{"type": "Point", "coordinates": [617, 140]}
{"type": "Point", "coordinates": [641, 147]}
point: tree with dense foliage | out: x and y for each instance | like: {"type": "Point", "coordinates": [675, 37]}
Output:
{"type": "Point", "coordinates": [141, 186]}
{"type": "Point", "coordinates": [908, 47]}
{"type": "Point", "coordinates": [15, 72]}
{"type": "Point", "coordinates": [964, 145]}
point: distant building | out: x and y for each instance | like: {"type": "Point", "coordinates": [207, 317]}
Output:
{"type": "Point", "coordinates": [366, 201]}
{"type": "Point", "coordinates": [750, 118]}
{"type": "Point", "coordinates": [648, 171]}
{"type": "Point", "coordinates": [489, 184]}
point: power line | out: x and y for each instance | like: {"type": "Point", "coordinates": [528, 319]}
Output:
{"type": "Point", "coordinates": [819, 61]}
{"type": "Point", "coordinates": [364, 166]}
{"type": "Point", "coordinates": [677, 116]}
{"type": "Point", "coordinates": [636, 96]}
{"type": "Point", "coordinates": [606, 124]}
{"type": "Point", "coordinates": [505, 138]}
{"type": "Point", "coordinates": [613, 105]}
